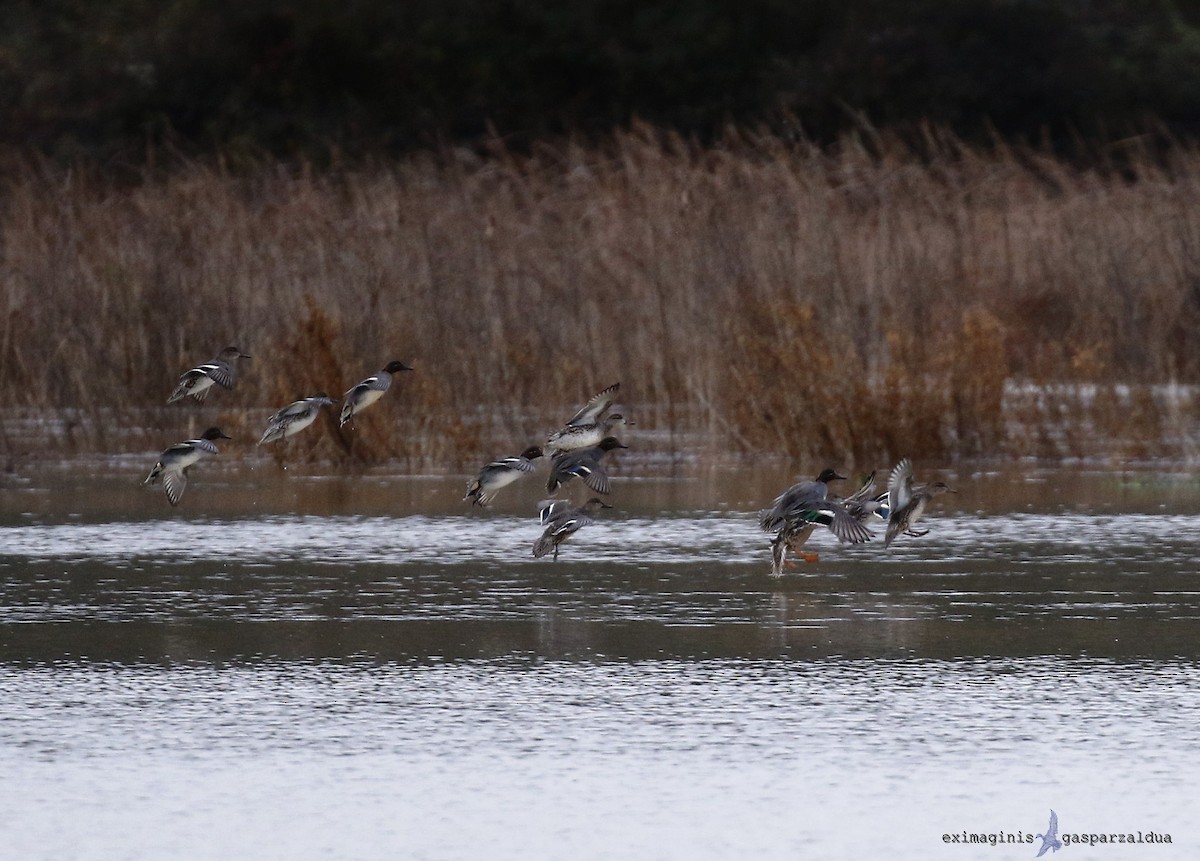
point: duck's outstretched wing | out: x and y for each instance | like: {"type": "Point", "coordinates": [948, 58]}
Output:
{"type": "Point", "coordinates": [280, 421]}
{"type": "Point", "coordinates": [568, 524]}
{"type": "Point", "coordinates": [517, 462]}
{"type": "Point", "coordinates": [187, 386]}
{"type": "Point", "coordinates": [220, 371]}
{"type": "Point", "coordinates": [900, 485]}
{"type": "Point", "coordinates": [292, 411]}
{"type": "Point", "coordinates": [864, 492]}
{"type": "Point", "coordinates": [594, 408]}
{"type": "Point", "coordinates": [593, 475]}
{"type": "Point", "coordinates": [843, 524]}
{"type": "Point", "coordinates": [174, 483]}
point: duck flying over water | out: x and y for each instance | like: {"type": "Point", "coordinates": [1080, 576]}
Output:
{"type": "Point", "coordinates": [295, 417]}
{"type": "Point", "coordinates": [588, 426]}
{"type": "Point", "coordinates": [800, 509]}
{"type": "Point", "coordinates": [581, 436]}
{"type": "Point", "coordinates": [369, 391]}
{"type": "Point", "coordinates": [863, 505]}
{"type": "Point", "coordinates": [173, 464]}
{"type": "Point", "coordinates": [221, 371]}
{"type": "Point", "coordinates": [500, 474]}
{"type": "Point", "coordinates": [561, 522]}
{"type": "Point", "coordinates": [907, 502]}
{"type": "Point", "coordinates": [584, 464]}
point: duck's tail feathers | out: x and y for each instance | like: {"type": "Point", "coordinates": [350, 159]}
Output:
{"type": "Point", "coordinates": [542, 546]}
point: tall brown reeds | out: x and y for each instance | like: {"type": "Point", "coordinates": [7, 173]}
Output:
{"type": "Point", "coordinates": [756, 296]}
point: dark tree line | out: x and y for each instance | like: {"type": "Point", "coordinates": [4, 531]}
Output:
{"type": "Point", "coordinates": [104, 79]}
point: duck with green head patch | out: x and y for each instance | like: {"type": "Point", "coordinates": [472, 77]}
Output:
{"type": "Point", "coordinates": [799, 510]}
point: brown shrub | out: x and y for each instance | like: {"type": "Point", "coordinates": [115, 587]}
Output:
{"type": "Point", "coordinates": [762, 295]}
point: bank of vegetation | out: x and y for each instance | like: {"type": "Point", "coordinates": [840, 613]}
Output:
{"type": "Point", "coordinates": [756, 295]}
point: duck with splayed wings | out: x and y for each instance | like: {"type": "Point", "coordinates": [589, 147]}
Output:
{"type": "Point", "coordinates": [799, 510]}
{"type": "Point", "coordinates": [584, 464]}
{"type": "Point", "coordinates": [173, 464]}
{"type": "Point", "coordinates": [590, 425]}
{"type": "Point", "coordinates": [561, 522]}
{"type": "Point", "coordinates": [499, 474]}
{"type": "Point", "coordinates": [295, 417]}
{"type": "Point", "coordinates": [196, 383]}
{"type": "Point", "coordinates": [907, 502]}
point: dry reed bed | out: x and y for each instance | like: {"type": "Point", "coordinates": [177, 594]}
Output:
{"type": "Point", "coordinates": [847, 306]}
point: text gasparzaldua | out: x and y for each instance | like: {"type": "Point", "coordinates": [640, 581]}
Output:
{"type": "Point", "coordinates": [1001, 838]}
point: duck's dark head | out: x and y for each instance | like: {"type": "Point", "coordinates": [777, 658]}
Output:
{"type": "Point", "coordinates": [941, 487]}
{"type": "Point", "coordinates": [233, 353]}
{"type": "Point", "coordinates": [214, 433]}
{"type": "Point", "coordinates": [532, 453]}
{"type": "Point", "coordinates": [395, 366]}
{"type": "Point", "coordinates": [611, 442]}
{"type": "Point", "coordinates": [595, 503]}
{"type": "Point", "coordinates": [828, 475]}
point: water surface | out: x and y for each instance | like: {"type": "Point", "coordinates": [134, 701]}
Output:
{"type": "Point", "coordinates": [315, 667]}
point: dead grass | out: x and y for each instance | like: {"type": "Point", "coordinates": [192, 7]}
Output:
{"type": "Point", "coordinates": [861, 304]}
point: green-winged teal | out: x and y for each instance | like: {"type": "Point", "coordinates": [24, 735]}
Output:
{"type": "Point", "coordinates": [369, 391]}
{"type": "Point", "coordinates": [500, 474]}
{"type": "Point", "coordinates": [174, 463]}
{"type": "Point", "coordinates": [802, 507]}
{"type": "Point", "coordinates": [561, 522]}
{"type": "Point", "coordinates": [908, 502]}
{"type": "Point", "coordinates": [588, 426]}
{"type": "Point", "coordinates": [220, 371]}
{"type": "Point", "coordinates": [583, 463]}
{"type": "Point", "coordinates": [295, 417]}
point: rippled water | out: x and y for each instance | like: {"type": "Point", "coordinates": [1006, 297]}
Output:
{"type": "Point", "coordinates": [330, 668]}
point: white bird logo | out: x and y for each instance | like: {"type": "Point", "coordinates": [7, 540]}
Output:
{"type": "Point", "coordinates": [1050, 838]}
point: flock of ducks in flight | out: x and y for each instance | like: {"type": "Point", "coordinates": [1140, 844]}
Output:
{"type": "Point", "coordinates": [576, 450]}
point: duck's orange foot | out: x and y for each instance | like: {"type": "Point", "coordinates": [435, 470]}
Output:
{"type": "Point", "coordinates": [809, 557]}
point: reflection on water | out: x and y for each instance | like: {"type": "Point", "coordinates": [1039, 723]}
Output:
{"type": "Point", "coordinates": [465, 586]}
{"type": "Point", "coordinates": [365, 669]}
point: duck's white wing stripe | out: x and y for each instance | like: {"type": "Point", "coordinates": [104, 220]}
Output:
{"type": "Point", "coordinates": [571, 524]}
{"type": "Point", "coordinates": [597, 480]}
{"type": "Point", "coordinates": [551, 508]}
{"type": "Point", "coordinates": [218, 372]}
{"type": "Point", "coordinates": [175, 483]}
